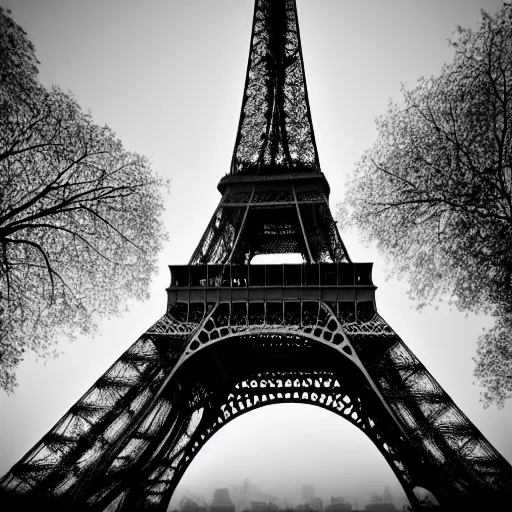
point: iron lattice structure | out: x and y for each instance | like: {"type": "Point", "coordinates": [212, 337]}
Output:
{"type": "Point", "coordinates": [237, 336]}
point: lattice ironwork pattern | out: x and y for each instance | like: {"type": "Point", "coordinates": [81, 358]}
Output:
{"type": "Point", "coordinates": [438, 428]}
{"type": "Point", "coordinates": [275, 132]}
{"type": "Point", "coordinates": [218, 241]}
{"type": "Point", "coordinates": [270, 220]}
{"type": "Point", "coordinates": [147, 417]}
{"type": "Point", "coordinates": [320, 388]}
{"type": "Point", "coordinates": [74, 451]}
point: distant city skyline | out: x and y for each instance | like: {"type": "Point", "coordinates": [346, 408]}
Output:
{"type": "Point", "coordinates": [396, 496]}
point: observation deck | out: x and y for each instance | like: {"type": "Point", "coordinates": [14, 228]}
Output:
{"type": "Point", "coordinates": [344, 286]}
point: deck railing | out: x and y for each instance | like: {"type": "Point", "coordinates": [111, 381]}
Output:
{"type": "Point", "coordinates": [271, 275]}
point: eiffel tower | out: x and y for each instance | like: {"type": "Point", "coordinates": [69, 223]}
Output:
{"type": "Point", "coordinates": [238, 336]}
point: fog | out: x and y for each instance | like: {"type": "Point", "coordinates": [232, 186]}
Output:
{"type": "Point", "coordinates": [280, 447]}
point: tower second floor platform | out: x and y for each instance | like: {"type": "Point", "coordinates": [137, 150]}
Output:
{"type": "Point", "coordinates": [327, 282]}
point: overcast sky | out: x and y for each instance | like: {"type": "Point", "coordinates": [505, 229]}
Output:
{"type": "Point", "coordinates": [168, 77]}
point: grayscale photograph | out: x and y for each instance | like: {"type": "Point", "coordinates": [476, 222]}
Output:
{"type": "Point", "coordinates": [256, 255]}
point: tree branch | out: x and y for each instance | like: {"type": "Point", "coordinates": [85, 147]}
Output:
{"type": "Point", "coordinates": [20, 227]}
{"type": "Point", "coordinates": [114, 228]}
{"type": "Point", "coordinates": [45, 257]}
{"type": "Point", "coordinates": [46, 190]}
{"type": "Point", "coordinates": [386, 171]}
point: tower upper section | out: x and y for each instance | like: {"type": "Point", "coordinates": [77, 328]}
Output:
{"type": "Point", "coordinates": [275, 133]}
{"type": "Point", "coordinates": [275, 198]}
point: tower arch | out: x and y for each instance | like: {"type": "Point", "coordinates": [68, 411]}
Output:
{"type": "Point", "coordinates": [240, 374]}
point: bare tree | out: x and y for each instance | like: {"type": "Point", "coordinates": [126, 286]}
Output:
{"type": "Point", "coordinates": [435, 190]}
{"type": "Point", "coordinates": [80, 224]}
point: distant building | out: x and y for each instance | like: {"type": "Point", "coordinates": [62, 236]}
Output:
{"type": "Point", "coordinates": [222, 501]}
{"type": "Point", "coordinates": [261, 506]}
{"type": "Point", "coordinates": [380, 506]}
{"type": "Point", "coordinates": [316, 504]}
{"type": "Point", "coordinates": [258, 506]}
{"type": "Point", "coordinates": [308, 492]}
{"type": "Point", "coordinates": [244, 495]}
{"type": "Point", "coordinates": [338, 504]}
{"type": "Point", "coordinates": [189, 505]}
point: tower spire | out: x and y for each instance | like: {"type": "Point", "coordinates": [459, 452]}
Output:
{"type": "Point", "coordinates": [274, 198]}
{"type": "Point", "coordinates": [275, 132]}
